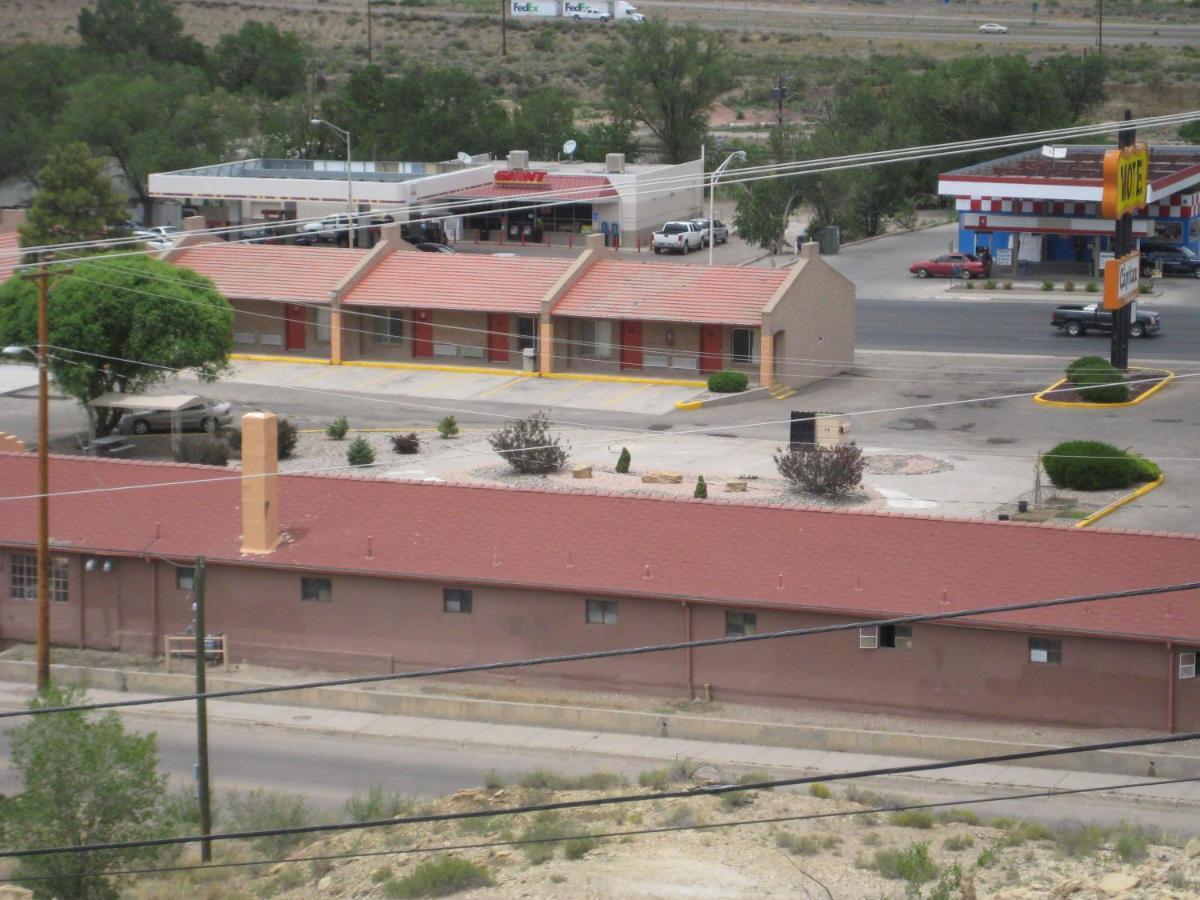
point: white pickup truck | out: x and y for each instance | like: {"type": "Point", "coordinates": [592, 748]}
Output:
{"type": "Point", "coordinates": [681, 237]}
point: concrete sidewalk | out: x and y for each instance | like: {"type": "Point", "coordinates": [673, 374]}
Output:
{"type": "Point", "coordinates": [358, 725]}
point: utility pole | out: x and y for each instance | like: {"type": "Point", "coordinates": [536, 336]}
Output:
{"type": "Point", "coordinates": [504, 27]}
{"type": "Point", "coordinates": [780, 93]}
{"type": "Point", "coordinates": [1100, 26]}
{"type": "Point", "coordinates": [201, 646]}
{"type": "Point", "coordinates": [1123, 244]}
{"type": "Point", "coordinates": [43, 518]}
{"type": "Point", "coordinates": [369, 37]}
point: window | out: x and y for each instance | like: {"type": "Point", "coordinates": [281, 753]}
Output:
{"type": "Point", "coordinates": [741, 623]}
{"type": "Point", "coordinates": [185, 578]}
{"type": "Point", "coordinates": [1187, 664]}
{"type": "Point", "coordinates": [456, 600]}
{"type": "Point", "coordinates": [389, 326]}
{"type": "Point", "coordinates": [24, 578]}
{"type": "Point", "coordinates": [895, 637]}
{"type": "Point", "coordinates": [743, 345]}
{"type": "Point", "coordinates": [595, 338]}
{"type": "Point", "coordinates": [323, 325]}
{"type": "Point", "coordinates": [316, 590]}
{"type": "Point", "coordinates": [868, 638]}
{"type": "Point", "coordinates": [527, 330]}
{"type": "Point", "coordinates": [1045, 650]}
{"type": "Point", "coordinates": [602, 612]}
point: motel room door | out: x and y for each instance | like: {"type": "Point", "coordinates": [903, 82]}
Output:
{"type": "Point", "coordinates": [497, 337]}
{"type": "Point", "coordinates": [631, 345]}
{"type": "Point", "coordinates": [422, 333]}
{"type": "Point", "coordinates": [711, 357]}
{"type": "Point", "coordinates": [295, 326]}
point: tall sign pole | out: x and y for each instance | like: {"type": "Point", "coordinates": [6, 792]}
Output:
{"type": "Point", "coordinates": [1126, 178]}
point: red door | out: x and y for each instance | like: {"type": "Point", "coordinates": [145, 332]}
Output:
{"type": "Point", "coordinates": [422, 333]}
{"type": "Point", "coordinates": [498, 337]}
{"type": "Point", "coordinates": [711, 357]}
{"type": "Point", "coordinates": [631, 345]}
{"type": "Point", "coordinates": [296, 326]}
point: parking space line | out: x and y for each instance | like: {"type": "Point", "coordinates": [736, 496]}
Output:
{"type": "Point", "coordinates": [637, 390]}
{"type": "Point", "coordinates": [499, 387]}
{"type": "Point", "coordinates": [308, 376]}
{"type": "Point", "coordinates": [569, 389]}
{"type": "Point", "coordinates": [379, 379]}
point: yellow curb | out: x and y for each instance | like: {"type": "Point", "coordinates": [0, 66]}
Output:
{"type": "Point", "coordinates": [626, 379]}
{"type": "Point", "coordinates": [404, 428]}
{"type": "Point", "coordinates": [258, 357]}
{"type": "Point", "coordinates": [1113, 507]}
{"type": "Point", "coordinates": [437, 367]}
{"type": "Point", "coordinates": [1074, 404]}
{"type": "Point", "coordinates": [690, 404]}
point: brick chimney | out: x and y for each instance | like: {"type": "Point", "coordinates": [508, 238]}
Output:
{"type": "Point", "coordinates": [260, 483]}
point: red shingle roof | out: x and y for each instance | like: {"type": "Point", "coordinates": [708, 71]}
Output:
{"type": "Point", "coordinates": [851, 563]}
{"type": "Point", "coordinates": [615, 289]}
{"type": "Point", "coordinates": [567, 188]}
{"type": "Point", "coordinates": [10, 253]}
{"type": "Point", "coordinates": [271, 271]}
{"type": "Point", "coordinates": [458, 281]}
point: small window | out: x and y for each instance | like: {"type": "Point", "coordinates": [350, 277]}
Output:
{"type": "Point", "coordinates": [1187, 664]}
{"type": "Point", "coordinates": [23, 581]}
{"type": "Point", "coordinates": [595, 338]}
{"type": "Point", "coordinates": [185, 578]}
{"type": "Point", "coordinates": [868, 638]}
{"type": "Point", "coordinates": [1045, 650]}
{"type": "Point", "coordinates": [324, 324]}
{"type": "Point", "coordinates": [456, 600]}
{"type": "Point", "coordinates": [602, 612]}
{"type": "Point", "coordinates": [895, 637]}
{"type": "Point", "coordinates": [743, 345]}
{"type": "Point", "coordinates": [741, 623]}
{"type": "Point", "coordinates": [316, 590]}
{"type": "Point", "coordinates": [389, 326]}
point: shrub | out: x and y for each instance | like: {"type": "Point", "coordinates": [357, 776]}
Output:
{"type": "Point", "coordinates": [797, 844]}
{"type": "Point", "coordinates": [1145, 286]}
{"type": "Point", "coordinates": [360, 452]}
{"type": "Point", "coordinates": [440, 877]}
{"type": "Point", "coordinates": [913, 864]}
{"type": "Point", "coordinates": [736, 799]}
{"type": "Point", "coordinates": [623, 461]}
{"type": "Point", "coordinates": [912, 818]}
{"type": "Point", "coordinates": [260, 810]}
{"type": "Point", "coordinates": [376, 803]}
{"type": "Point", "coordinates": [958, 842]}
{"type": "Point", "coordinates": [529, 446]}
{"type": "Point", "coordinates": [728, 382]}
{"type": "Point", "coordinates": [1008, 285]}
{"type": "Point", "coordinates": [287, 437]}
{"type": "Point", "coordinates": [990, 284]}
{"type": "Point", "coordinates": [655, 779]}
{"type": "Point", "coordinates": [543, 832]}
{"type": "Point", "coordinates": [493, 780]}
{"type": "Point", "coordinates": [822, 470]}
{"type": "Point", "coordinates": [1094, 370]}
{"type": "Point", "coordinates": [701, 492]}
{"type": "Point", "coordinates": [1047, 285]}
{"type": "Point", "coordinates": [1091, 287]}
{"type": "Point", "coordinates": [820, 791]}
{"type": "Point", "coordinates": [549, 780]}
{"type": "Point", "coordinates": [406, 443]}
{"type": "Point", "coordinates": [206, 453]}
{"type": "Point", "coordinates": [1132, 844]}
{"type": "Point", "coordinates": [962, 816]}
{"type": "Point", "coordinates": [447, 427]}
{"type": "Point", "coordinates": [337, 428]}
{"type": "Point", "coordinates": [579, 847]}
{"type": "Point", "coordinates": [382, 874]}
{"type": "Point", "coordinates": [1080, 841]}
{"type": "Point", "coordinates": [1068, 285]}
{"type": "Point", "coordinates": [1091, 466]}
{"type": "Point", "coordinates": [233, 437]}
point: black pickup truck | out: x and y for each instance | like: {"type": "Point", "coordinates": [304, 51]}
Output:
{"type": "Point", "coordinates": [1078, 320]}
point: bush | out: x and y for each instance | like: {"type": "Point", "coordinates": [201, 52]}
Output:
{"type": "Point", "coordinates": [797, 844]}
{"type": "Point", "coordinates": [623, 461]}
{"type": "Point", "coordinates": [1047, 285]}
{"type": "Point", "coordinates": [820, 791]}
{"type": "Point", "coordinates": [549, 780]}
{"type": "Point", "coordinates": [1092, 287]}
{"type": "Point", "coordinates": [529, 446]}
{"type": "Point", "coordinates": [822, 470]}
{"type": "Point", "coordinates": [543, 831]}
{"type": "Point", "coordinates": [958, 842]}
{"type": "Point", "coordinates": [375, 803]}
{"type": "Point", "coordinates": [1094, 370]}
{"type": "Point", "coordinates": [288, 436]}
{"type": "Point", "coordinates": [990, 284]}
{"type": "Point", "coordinates": [447, 427]}
{"type": "Point", "coordinates": [260, 810]}
{"type": "Point", "coordinates": [912, 818]}
{"type": "Point", "coordinates": [1007, 285]}
{"type": "Point", "coordinates": [233, 437]}
{"type": "Point", "coordinates": [205, 453]}
{"type": "Point", "coordinates": [360, 452]}
{"type": "Point", "coordinates": [912, 864]}
{"type": "Point", "coordinates": [440, 877]}
{"type": "Point", "coordinates": [406, 443]}
{"type": "Point", "coordinates": [701, 492]}
{"type": "Point", "coordinates": [578, 848]}
{"type": "Point", "coordinates": [337, 428]}
{"type": "Point", "coordinates": [1145, 286]}
{"type": "Point", "coordinates": [728, 382]}
{"type": "Point", "coordinates": [1092, 466]}
{"type": "Point", "coordinates": [1068, 285]}
{"type": "Point", "coordinates": [1132, 844]}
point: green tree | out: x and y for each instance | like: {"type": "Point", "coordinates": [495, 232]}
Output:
{"type": "Point", "coordinates": [261, 58]}
{"type": "Point", "coordinates": [76, 201]}
{"type": "Point", "coordinates": [85, 781]}
{"type": "Point", "coordinates": [129, 308]}
{"type": "Point", "coordinates": [1190, 132]}
{"type": "Point", "coordinates": [151, 27]}
{"type": "Point", "coordinates": [765, 206]}
{"type": "Point", "coordinates": [601, 138]}
{"type": "Point", "coordinates": [153, 122]}
{"type": "Point", "coordinates": [543, 121]}
{"type": "Point", "coordinates": [667, 78]}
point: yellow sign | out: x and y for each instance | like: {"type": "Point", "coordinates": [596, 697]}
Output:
{"type": "Point", "coordinates": [1126, 176]}
{"type": "Point", "coordinates": [1121, 280]}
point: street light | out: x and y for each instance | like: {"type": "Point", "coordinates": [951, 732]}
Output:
{"type": "Point", "coordinates": [739, 155]}
{"type": "Point", "coordinates": [349, 182]}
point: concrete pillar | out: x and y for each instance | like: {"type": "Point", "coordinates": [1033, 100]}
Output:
{"type": "Point", "coordinates": [545, 347]}
{"type": "Point", "coordinates": [766, 360]}
{"type": "Point", "coordinates": [260, 483]}
{"type": "Point", "coordinates": [335, 331]}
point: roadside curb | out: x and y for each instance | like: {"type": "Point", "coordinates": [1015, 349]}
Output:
{"type": "Point", "coordinates": [1117, 504]}
{"type": "Point", "coordinates": [630, 722]}
{"type": "Point", "coordinates": [725, 399]}
{"type": "Point", "coordinates": [622, 379]}
{"type": "Point", "coordinates": [1040, 398]}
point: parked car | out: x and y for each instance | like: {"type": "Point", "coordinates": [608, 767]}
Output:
{"type": "Point", "coordinates": [951, 265]}
{"type": "Point", "coordinates": [431, 247]}
{"type": "Point", "coordinates": [682, 237]}
{"type": "Point", "coordinates": [203, 416]}
{"type": "Point", "coordinates": [329, 229]}
{"type": "Point", "coordinates": [160, 237]}
{"type": "Point", "coordinates": [1173, 260]}
{"type": "Point", "coordinates": [993, 28]}
{"type": "Point", "coordinates": [720, 231]}
{"type": "Point", "coordinates": [1079, 320]}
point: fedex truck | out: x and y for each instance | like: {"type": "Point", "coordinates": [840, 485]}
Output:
{"type": "Point", "coordinates": [601, 10]}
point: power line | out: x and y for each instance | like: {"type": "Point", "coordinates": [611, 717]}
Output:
{"type": "Point", "coordinates": [626, 651]}
{"type": "Point", "coordinates": [616, 800]}
{"type": "Point", "coordinates": [737, 823]}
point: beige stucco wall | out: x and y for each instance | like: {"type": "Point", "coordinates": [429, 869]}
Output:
{"type": "Point", "coordinates": [682, 351]}
{"type": "Point", "coordinates": [815, 315]}
{"type": "Point", "coordinates": [259, 326]}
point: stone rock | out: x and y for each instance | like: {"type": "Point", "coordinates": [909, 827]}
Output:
{"type": "Point", "coordinates": [582, 472]}
{"type": "Point", "coordinates": [12, 892]}
{"type": "Point", "coordinates": [1067, 888]}
{"type": "Point", "coordinates": [1192, 849]}
{"type": "Point", "coordinates": [325, 885]}
{"type": "Point", "coordinates": [1114, 884]}
{"type": "Point", "coordinates": [735, 487]}
{"type": "Point", "coordinates": [662, 478]}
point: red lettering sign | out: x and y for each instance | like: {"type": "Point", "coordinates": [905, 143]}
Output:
{"type": "Point", "coordinates": [520, 176]}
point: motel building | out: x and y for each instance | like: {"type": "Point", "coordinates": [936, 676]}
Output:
{"type": "Point", "coordinates": [1044, 204]}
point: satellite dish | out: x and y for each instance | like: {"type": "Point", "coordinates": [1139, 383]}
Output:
{"type": "Point", "coordinates": [569, 147]}
{"type": "Point", "coordinates": [465, 158]}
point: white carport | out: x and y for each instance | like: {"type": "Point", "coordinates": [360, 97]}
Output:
{"type": "Point", "coordinates": [172, 403]}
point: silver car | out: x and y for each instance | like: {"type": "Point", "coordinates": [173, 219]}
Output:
{"type": "Point", "coordinates": [720, 231]}
{"type": "Point", "coordinates": [203, 416]}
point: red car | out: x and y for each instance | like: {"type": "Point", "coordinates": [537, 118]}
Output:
{"type": "Point", "coordinates": [952, 265]}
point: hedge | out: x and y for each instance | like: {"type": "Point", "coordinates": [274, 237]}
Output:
{"type": "Point", "coordinates": [1094, 370]}
{"type": "Point", "coordinates": [728, 382]}
{"type": "Point", "coordinates": [1095, 466]}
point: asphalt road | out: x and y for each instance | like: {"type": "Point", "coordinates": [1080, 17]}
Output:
{"type": "Point", "coordinates": [983, 326]}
